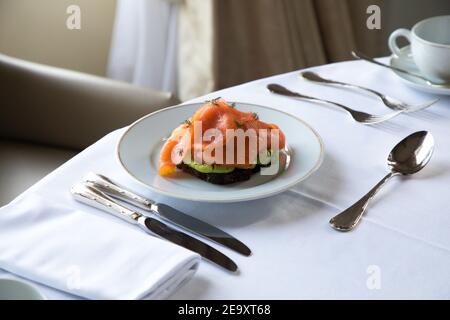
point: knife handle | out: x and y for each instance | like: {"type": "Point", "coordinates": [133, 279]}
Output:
{"type": "Point", "coordinates": [92, 196]}
{"type": "Point", "coordinates": [115, 190]}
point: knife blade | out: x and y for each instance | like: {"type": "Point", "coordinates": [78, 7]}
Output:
{"type": "Point", "coordinates": [90, 195]}
{"type": "Point", "coordinates": [168, 213]}
{"type": "Point", "coordinates": [202, 228]}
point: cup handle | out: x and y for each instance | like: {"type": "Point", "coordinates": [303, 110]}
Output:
{"type": "Point", "coordinates": [393, 39]}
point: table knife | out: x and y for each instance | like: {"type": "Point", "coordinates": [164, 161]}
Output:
{"type": "Point", "coordinates": [92, 196]}
{"type": "Point", "coordinates": [167, 212]}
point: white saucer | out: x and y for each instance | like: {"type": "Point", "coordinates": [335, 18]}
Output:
{"type": "Point", "coordinates": [405, 61]}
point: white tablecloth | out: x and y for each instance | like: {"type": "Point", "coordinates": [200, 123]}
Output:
{"type": "Point", "coordinates": [401, 248]}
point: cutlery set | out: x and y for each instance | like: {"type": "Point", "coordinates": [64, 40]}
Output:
{"type": "Point", "coordinates": [395, 105]}
{"type": "Point", "coordinates": [408, 157]}
{"type": "Point", "coordinates": [99, 191]}
{"type": "Point", "coordinates": [358, 116]}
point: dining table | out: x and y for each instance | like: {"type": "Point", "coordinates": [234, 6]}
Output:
{"type": "Point", "coordinates": [400, 249]}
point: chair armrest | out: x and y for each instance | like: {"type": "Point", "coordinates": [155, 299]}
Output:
{"type": "Point", "coordinates": [66, 108]}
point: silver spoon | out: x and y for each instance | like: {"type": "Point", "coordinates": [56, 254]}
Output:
{"type": "Point", "coordinates": [390, 102]}
{"type": "Point", "coordinates": [408, 157]}
{"type": "Point", "coordinates": [358, 116]}
{"type": "Point", "coordinates": [362, 56]}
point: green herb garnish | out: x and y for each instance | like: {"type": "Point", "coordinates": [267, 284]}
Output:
{"type": "Point", "coordinates": [214, 101]}
{"type": "Point", "coordinates": [255, 115]}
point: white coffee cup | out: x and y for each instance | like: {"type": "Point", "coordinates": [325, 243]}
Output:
{"type": "Point", "coordinates": [430, 46]}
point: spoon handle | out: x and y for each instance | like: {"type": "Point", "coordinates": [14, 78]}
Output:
{"type": "Point", "coordinates": [362, 56]}
{"type": "Point", "coordinates": [349, 218]}
{"type": "Point", "coordinates": [311, 76]}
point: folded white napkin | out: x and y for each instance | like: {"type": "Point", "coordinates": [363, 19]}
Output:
{"type": "Point", "coordinates": [76, 249]}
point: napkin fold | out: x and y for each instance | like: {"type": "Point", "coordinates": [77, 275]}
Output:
{"type": "Point", "coordinates": [82, 251]}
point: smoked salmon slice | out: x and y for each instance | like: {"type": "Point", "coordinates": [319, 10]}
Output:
{"type": "Point", "coordinates": [222, 117]}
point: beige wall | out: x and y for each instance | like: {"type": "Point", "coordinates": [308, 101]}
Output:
{"type": "Point", "coordinates": [36, 30]}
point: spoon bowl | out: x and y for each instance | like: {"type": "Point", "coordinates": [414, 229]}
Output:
{"type": "Point", "coordinates": [412, 153]}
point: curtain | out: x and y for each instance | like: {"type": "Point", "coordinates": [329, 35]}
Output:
{"type": "Point", "coordinates": [144, 44]}
{"type": "Point", "coordinates": [256, 38]}
{"type": "Point", "coordinates": [196, 45]}
{"type": "Point", "coordinates": [192, 47]}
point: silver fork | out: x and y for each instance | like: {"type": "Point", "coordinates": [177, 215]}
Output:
{"type": "Point", "coordinates": [358, 116]}
{"type": "Point", "coordinates": [390, 102]}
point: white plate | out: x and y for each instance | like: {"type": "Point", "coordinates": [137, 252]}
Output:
{"type": "Point", "coordinates": [406, 62]}
{"type": "Point", "coordinates": [18, 290]}
{"type": "Point", "coordinates": [138, 152]}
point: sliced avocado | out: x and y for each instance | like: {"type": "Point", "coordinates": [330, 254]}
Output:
{"type": "Point", "coordinates": [206, 168]}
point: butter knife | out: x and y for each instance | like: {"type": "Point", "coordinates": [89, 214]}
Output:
{"type": "Point", "coordinates": [92, 196]}
{"type": "Point", "coordinates": [168, 213]}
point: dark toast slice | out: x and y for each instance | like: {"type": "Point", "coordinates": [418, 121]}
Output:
{"type": "Point", "coordinates": [237, 175]}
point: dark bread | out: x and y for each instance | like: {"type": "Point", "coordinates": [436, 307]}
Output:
{"type": "Point", "coordinates": [237, 175]}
